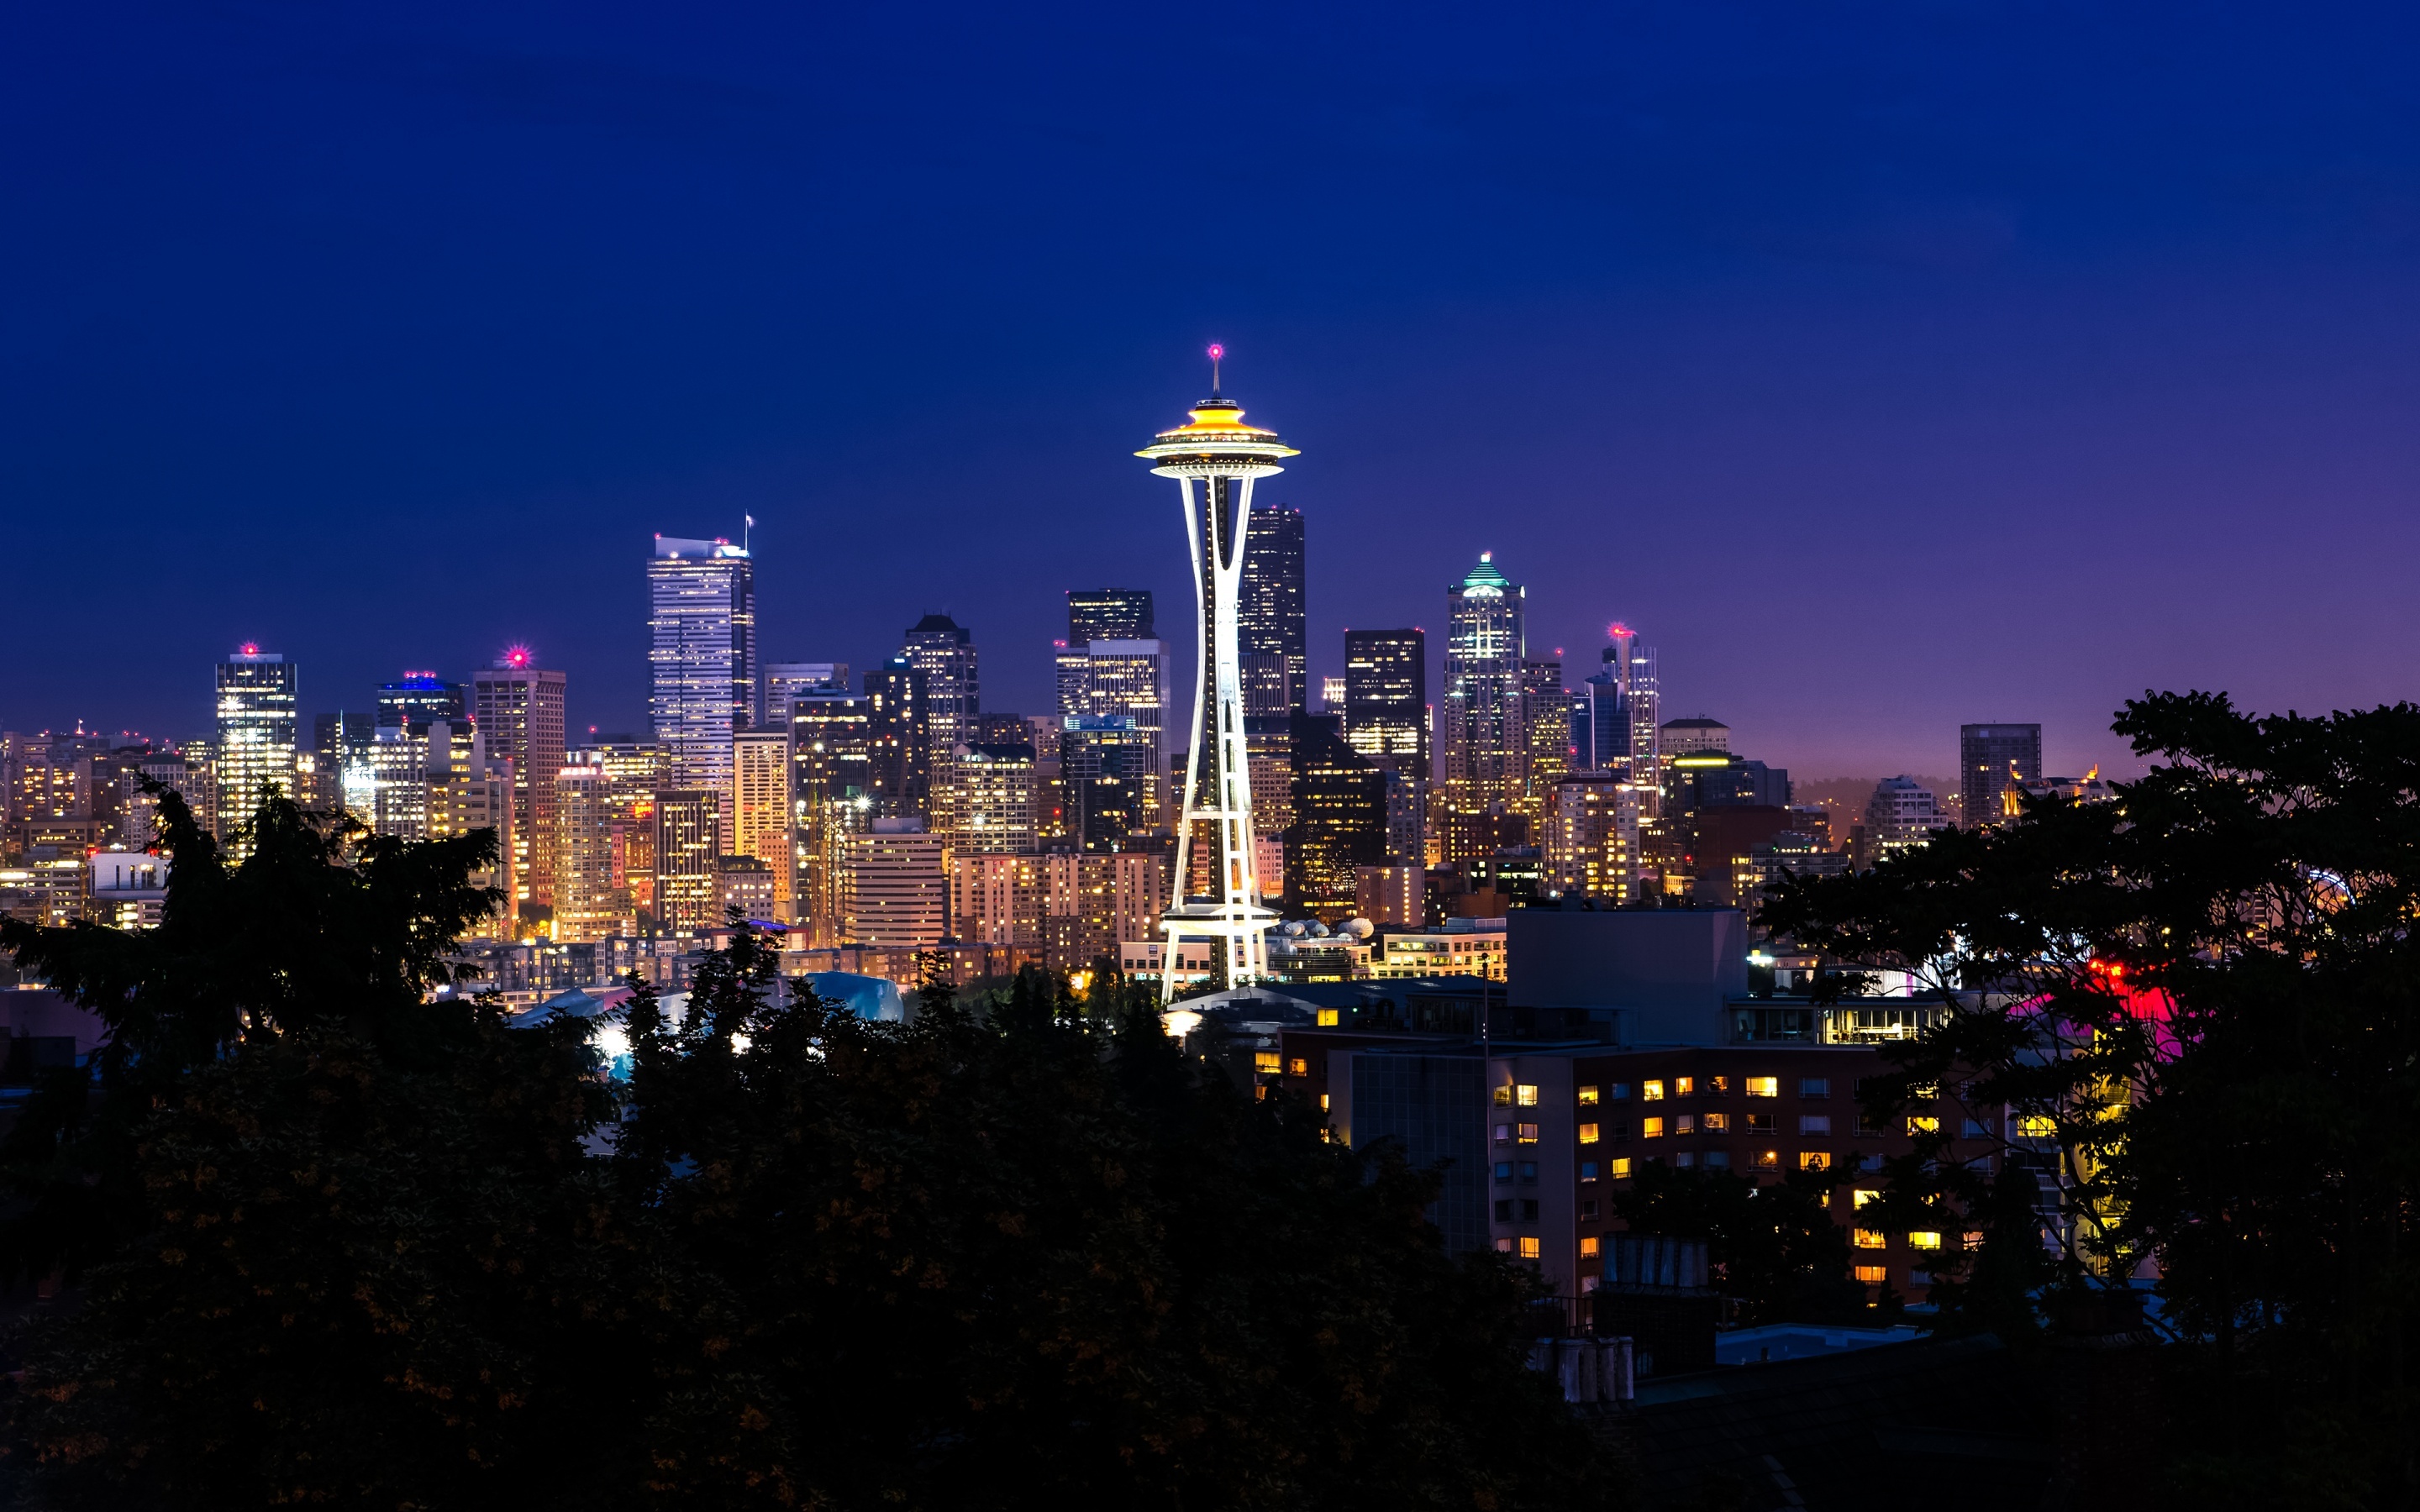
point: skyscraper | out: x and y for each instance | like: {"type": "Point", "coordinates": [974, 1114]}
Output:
{"type": "Point", "coordinates": [519, 708]}
{"type": "Point", "coordinates": [832, 797]}
{"type": "Point", "coordinates": [760, 811]}
{"type": "Point", "coordinates": [945, 651]}
{"type": "Point", "coordinates": [701, 655]}
{"type": "Point", "coordinates": [1339, 820]}
{"type": "Point", "coordinates": [1272, 649]}
{"type": "Point", "coordinates": [1482, 713]}
{"type": "Point", "coordinates": [901, 740]}
{"type": "Point", "coordinates": [1989, 755]}
{"type": "Point", "coordinates": [688, 843]}
{"type": "Point", "coordinates": [785, 680]}
{"type": "Point", "coordinates": [1227, 456]}
{"type": "Point", "coordinates": [1109, 614]}
{"type": "Point", "coordinates": [1387, 698]}
{"type": "Point", "coordinates": [256, 737]}
{"type": "Point", "coordinates": [592, 900]}
{"type": "Point", "coordinates": [413, 699]}
{"type": "Point", "coordinates": [1545, 736]}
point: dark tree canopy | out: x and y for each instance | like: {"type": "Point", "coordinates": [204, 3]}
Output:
{"type": "Point", "coordinates": [343, 1245]}
{"type": "Point", "coordinates": [2199, 1003]}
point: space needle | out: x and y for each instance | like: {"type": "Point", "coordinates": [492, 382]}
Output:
{"type": "Point", "coordinates": [1227, 456]}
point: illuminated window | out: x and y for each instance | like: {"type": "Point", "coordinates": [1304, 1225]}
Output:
{"type": "Point", "coordinates": [1651, 1128]}
{"type": "Point", "coordinates": [1529, 1246]}
{"type": "Point", "coordinates": [1763, 1086]}
{"type": "Point", "coordinates": [1922, 1123]}
{"type": "Point", "coordinates": [1528, 1134]}
{"type": "Point", "coordinates": [1617, 1092]}
{"type": "Point", "coordinates": [1265, 1060]}
{"type": "Point", "coordinates": [1503, 1133]}
{"type": "Point", "coordinates": [1924, 1239]}
{"type": "Point", "coordinates": [1588, 1133]}
{"type": "Point", "coordinates": [1814, 1123]}
{"type": "Point", "coordinates": [1323, 1101]}
{"type": "Point", "coordinates": [1587, 1246]}
{"type": "Point", "coordinates": [1872, 1275]}
{"type": "Point", "coordinates": [1766, 1159]}
{"type": "Point", "coordinates": [1298, 1067]}
{"type": "Point", "coordinates": [1718, 1123]}
{"type": "Point", "coordinates": [1587, 1097]}
{"type": "Point", "coordinates": [1865, 1238]}
{"type": "Point", "coordinates": [1814, 1160]}
{"type": "Point", "coordinates": [1685, 1123]}
{"type": "Point", "coordinates": [2037, 1126]}
{"type": "Point", "coordinates": [1863, 1196]}
{"type": "Point", "coordinates": [1504, 1097]}
{"type": "Point", "coordinates": [1683, 1087]}
{"type": "Point", "coordinates": [1328, 1017]}
{"type": "Point", "coordinates": [1526, 1094]}
{"type": "Point", "coordinates": [1504, 1246]}
{"type": "Point", "coordinates": [1650, 1091]}
{"type": "Point", "coordinates": [1718, 1086]}
{"type": "Point", "coordinates": [1622, 1168]}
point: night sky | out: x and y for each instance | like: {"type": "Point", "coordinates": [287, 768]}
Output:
{"type": "Point", "coordinates": [1887, 365]}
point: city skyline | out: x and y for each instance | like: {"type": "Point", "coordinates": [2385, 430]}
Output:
{"type": "Point", "coordinates": [1810, 308]}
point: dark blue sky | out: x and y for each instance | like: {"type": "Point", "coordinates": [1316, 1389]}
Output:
{"type": "Point", "coordinates": [1888, 365]}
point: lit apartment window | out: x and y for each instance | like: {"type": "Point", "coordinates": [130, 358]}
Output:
{"type": "Point", "coordinates": [1922, 1123]}
{"type": "Point", "coordinates": [1265, 1060]}
{"type": "Point", "coordinates": [1297, 1066]}
{"type": "Point", "coordinates": [1863, 1196]}
{"type": "Point", "coordinates": [1503, 1133]}
{"type": "Point", "coordinates": [1504, 1246]}
{"type": "Point", "coordinates": [1529, 1249]}
{"type": "Point", "coordinates": [1587, 1097]}
{"type": "Point", "coordinates": [1924, 1239]}
{"type": "Point", "coordinates": [1621, 1168]}
{"type": "Point", "coordinates": [1328, 1017]}
{"type": "Point", "coordinates": [1526, 1094]}
{"type": "Point", "coordinates": [1867, 1238]}
{"type": "Point", "coordinates": [1685, 1123]}
{"type": "Point", "coordinates": [1718, 1123]}
{"type": "Point", "coordinates": [1872, 1275]}
{"type": "Point", "coordinates": [1504, 1096]}
{"type": "Point", "coordinates": [1588, 1133]}
{"type": "Point", "coordinates": [1683, 1087]}
{"type": "Point", "coordinates": [1588, 1171]}
{"type": "Point", "coordinates": [1814, 1086]}
{"type": "Point", "coordinates": [1814, 1160]}
{"type": "Point", "coordinates": [1587, 1246]}
{"type": "Point", "coordinates": [1617, 1092]}
{"type": "Point", "coordinates": [2037, 1126]}
{"type": "Point", "coordinates": [1651, 1128]}
{"type": "Point", "coordinates": [1528, 1134]}
{"type": "Point", "coordinates": [1718, 1086]}
{"type": "Point", "coordinates": [1766, 1159]}
{"type": "Point", "coordinates": [1814, 1123]}
{"type": "Point", "coordinates": [1763, 1086]}
{"type": "Point", "coordinates": [1323, 1101]}
{"type": "Point", "coordinates": [1650, 1091]}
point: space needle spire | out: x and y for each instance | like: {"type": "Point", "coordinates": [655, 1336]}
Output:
{"type": "Point", "coordinates": [1226, 457]}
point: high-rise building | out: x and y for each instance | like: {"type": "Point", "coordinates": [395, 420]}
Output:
{"type": "Point", "coordinates": [1615, 714]}
{"type": "Point", "coordinates": [1272, 649]}
{"type": "Point", "coordinates": [1694, 738]}
{"type": "Point", "coordinates": [900, 740]}
{"type": "Point", "coordinates": [465, 792]}
{"type": "Point", "coordinates": [945, 651]}
{"type": "Point", "coordinates": [689, 844]}
{"type": "Point", "coordinates": [1339, 820]}
{"type": "Point", "coordinates": [985, 796]}
{"type": "Point", "coordinates": [1227, 456]}
{"type": "Point", "coordinates": [701, 655]}
{"type": "Point", "coordinates": [518, 706]}
{"type": "Point", "coordinates": [1482, 712]}
{"type": "Point", "coordinates": [1386, 703]}
{"type": "Point", "coordinates": [340, 743]}
{"type": "Point", "coordinates": [1994, 762]}
{"type": "Point", "coordinates": [256, 738]}
{"type": "Point", "coordinates": [761, 819]}
{"type": "Point", "coordinates": [1546, 736]}
{"type": "Point", "coordinates": [1268, 747]}
{"type": "Point", "coordinates": [1109, 614]}
{"type": "Point", "coordinates": [786, 680]}
{"type": "Point", "coordinates": [1902, 815]}
{"type": "Point", "coordinates": [413, 699]}
{"type": "Point", "coordinates": [832, 797]}
{"type": "Point", "coordinates": [592, 895]}
{"type": "Point", "coordinates": [635, 771]}
{"type": "Point", "coordinates": [1332, 693]}
{"type": "Point", "coordinates": [897, 886]}
{"type": "Point", "coordinates": [1591, 838]}
{"type": "Point", "coordinates": [1108, 772]}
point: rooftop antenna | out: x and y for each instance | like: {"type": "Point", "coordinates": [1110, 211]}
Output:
{"type": "Point", "coordinates": [747, 523]}
{"type": "Point", "coordinates": [1217, 352]}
